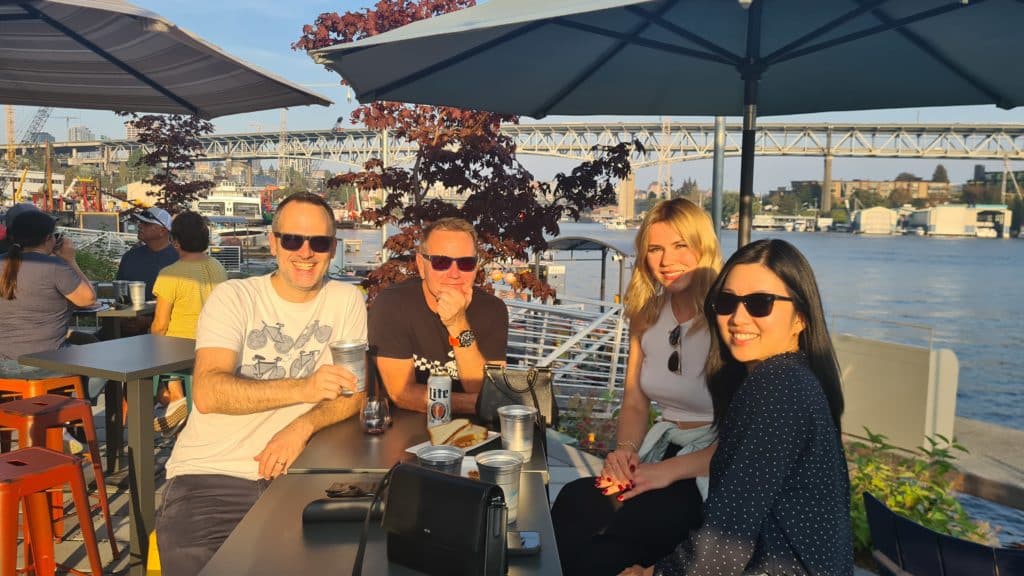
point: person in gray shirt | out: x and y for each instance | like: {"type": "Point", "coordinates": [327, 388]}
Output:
{"type": "Point", "coordinates": [39, 284]}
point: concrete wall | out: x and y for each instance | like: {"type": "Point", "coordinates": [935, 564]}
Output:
{"type": "Point", "coordinates": [904, 392]}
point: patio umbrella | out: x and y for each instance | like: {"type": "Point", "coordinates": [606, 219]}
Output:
{"type": "Point", "coordinates": [111, 55]}
{"type": "Point", "coordinates": [696, 57]}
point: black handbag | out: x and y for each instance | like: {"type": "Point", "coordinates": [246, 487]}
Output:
{"type": "Point", "coordinates": [505, 386]}
{"type": "Point", "coordinates": [445, 525]}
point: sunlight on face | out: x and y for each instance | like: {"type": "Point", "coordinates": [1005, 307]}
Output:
{"type": "Point", "coordinates": [451, 243]}
{"type": "Point", "coordinates": [670, 260]}
{"type": "Point", "coordinates": [751, 339]}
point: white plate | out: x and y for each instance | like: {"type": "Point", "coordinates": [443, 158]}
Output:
{"type": "Point", "coordinates": [491, 435]}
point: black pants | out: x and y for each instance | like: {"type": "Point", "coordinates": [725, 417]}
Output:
{"type": "Point", "coordinates": [598, 535]}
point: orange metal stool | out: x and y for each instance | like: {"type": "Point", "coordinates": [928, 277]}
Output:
{"type": "Point", "coordinates": [24, 476]}
{"type": "Point", "coordinates": [32, 417]}
{"type": "Point", "coordinates": [28, 387]}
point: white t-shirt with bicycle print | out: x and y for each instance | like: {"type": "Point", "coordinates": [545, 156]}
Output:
{"type": "Point", "coordinates": [274, 339]}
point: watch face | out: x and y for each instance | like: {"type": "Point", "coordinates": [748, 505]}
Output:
{"type": "Point", "coordinates": [466, 338]}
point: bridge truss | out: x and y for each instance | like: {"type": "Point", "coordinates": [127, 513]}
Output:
{"type": "Point", "coordinates": [576, 141]}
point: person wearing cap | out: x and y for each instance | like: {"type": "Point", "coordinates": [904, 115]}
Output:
{"type": "Point", "coordinates": [40, 283]}
{"type": "Point", "coordinates": [9, 216]}
{"type": "Point", "coordinates": [144, 262]}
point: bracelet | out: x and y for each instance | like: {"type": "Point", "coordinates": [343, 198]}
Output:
{"type": "Point", "coordinates": [628, 444]}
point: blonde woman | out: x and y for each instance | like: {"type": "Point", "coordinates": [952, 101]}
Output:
{"type": "Point", "coordinates": [650, 492]}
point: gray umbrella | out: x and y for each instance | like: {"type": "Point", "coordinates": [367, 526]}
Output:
{"type": "Point", "coordinates": [694, 57]}
{"type": "Point", "coordinates": [110, 55]}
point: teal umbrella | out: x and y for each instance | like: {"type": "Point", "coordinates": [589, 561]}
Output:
{"type": "Point", "coordinates": [696, 57]}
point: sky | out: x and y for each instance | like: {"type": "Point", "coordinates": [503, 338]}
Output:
{"type": "Point", "coordinates": [261, 32]}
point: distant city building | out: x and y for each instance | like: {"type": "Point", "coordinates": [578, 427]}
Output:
{"type": "Point", "coordinates": [844, 189]}
{"type": "Point", "coordinates": [130, 131]}
{"type": "Point", "coordinates": [80, 134]}
{"type": "Point", "coordinates": [41, 137]}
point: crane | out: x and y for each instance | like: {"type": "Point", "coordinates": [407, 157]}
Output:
{"type": "Point", "coordinates": [67, 123]}
{"type": "Point", "coordinates": [9, 112]}
{"type": "Point", "coordinates": [36, 125]}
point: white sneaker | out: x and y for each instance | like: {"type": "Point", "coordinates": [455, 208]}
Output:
{"type": "Point", "coordinates": [175, 414]}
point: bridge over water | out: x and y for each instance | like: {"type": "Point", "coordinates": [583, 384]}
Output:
{"type": "Point", "coordinates": [663, 143]}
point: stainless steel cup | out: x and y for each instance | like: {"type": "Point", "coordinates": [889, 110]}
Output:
{"type": "Point", "coordinates": [137, 293]}
{"type": "Point", "coordinates": [352, 355]}
{"type": "Point", "coordinates": [503, 467]}
{"type": "Point", "coordinates": [447, 459]}
{"type": "Point", "coordinates": [121, 293]}
{"type": "Point", "coordinates": [517, 423]}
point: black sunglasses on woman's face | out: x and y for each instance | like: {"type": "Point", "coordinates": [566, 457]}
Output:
{"type": "Point", "coordinates": [758, 304]}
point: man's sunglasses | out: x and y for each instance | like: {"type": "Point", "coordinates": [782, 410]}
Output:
{"type": "Point", "coordinates": [443, 263]}
{"type": "Point", "coordinates": [758, 304]}
{"type": "Point", "coordinates": [293, 242]}
{"type": "Point", "coordinates": [673, 341]}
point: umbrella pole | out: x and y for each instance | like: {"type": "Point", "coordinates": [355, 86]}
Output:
{"type": "Point", "coordinates": [717, 174]}
{"type": "Point", "coordinates": [751, 72]}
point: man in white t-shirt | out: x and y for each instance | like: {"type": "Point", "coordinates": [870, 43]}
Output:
{"type": "Point", "coordinates": [263, 384]}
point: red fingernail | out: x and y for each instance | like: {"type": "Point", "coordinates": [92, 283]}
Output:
{"type": "Point", "coordinates": [619, 497]}
{"type": "Point", "coordinates": [597, 483]}
{"type": "Point", "coordinates": [606, 491]}
{"type": "Point", "coordinates": [632, 467]}
{"type": "Point", "coordinates": [631, 485]}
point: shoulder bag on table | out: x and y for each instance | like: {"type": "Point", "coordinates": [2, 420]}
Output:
{"type": "Point", "coordinates": [504, 386]}
{"type": "Point", "coordinates": [440, 524]}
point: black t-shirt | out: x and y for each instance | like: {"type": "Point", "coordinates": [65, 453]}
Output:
{"type": "Point", "coordinates": [401, 325]}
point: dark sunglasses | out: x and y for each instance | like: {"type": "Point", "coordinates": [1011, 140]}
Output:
{"type": "Point", "coordinates": [758, 304]}
{"type": "Point", "coordinates": [673, 341]}
{"type": "Point", "coordinates": [293, 242]}
{"type": "Point", "coordinates": [443, 263]}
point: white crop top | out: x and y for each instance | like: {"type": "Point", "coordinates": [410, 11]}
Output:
{"type": "Point", "coordinates": [681, 397]}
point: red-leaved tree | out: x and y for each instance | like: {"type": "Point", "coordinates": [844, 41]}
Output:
{"type": "Point", "coordinates": [174, 146]}
{"type": "Point", "coordinates": [462, 151]}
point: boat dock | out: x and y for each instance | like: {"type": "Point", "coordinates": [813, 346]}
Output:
{"type": "Point", "coordinates": [993, 468]}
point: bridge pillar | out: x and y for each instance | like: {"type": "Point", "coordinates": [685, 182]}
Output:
{"type": "Point", "coordinates": [627, 196]}
{"type": "Point", "coordinates": [826, 188]}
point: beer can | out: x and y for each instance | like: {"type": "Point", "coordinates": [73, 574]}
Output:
{"type": "Point", "coordinates": [439, 399]}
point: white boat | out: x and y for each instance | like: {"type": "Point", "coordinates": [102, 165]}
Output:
{"type": "Point", "coordinates": [236, 231]}
{"type": "Point", "coordinates": [614, 224]}
{"type": "Point", "coordinates": [229, 200]}
{"type": "Point", "coordinates": [986, 232]}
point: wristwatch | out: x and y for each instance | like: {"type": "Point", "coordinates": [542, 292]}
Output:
{"type": "Point", "coordinates": [465, 339]}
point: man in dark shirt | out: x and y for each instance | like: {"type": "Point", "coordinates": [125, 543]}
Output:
{"type": "Point", "coordinates": [145, 261]}
{"type": "Point", "coordinates": [438, 322]}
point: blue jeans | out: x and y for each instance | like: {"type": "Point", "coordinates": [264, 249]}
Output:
{"type": "Point", "coordinates": [197, 515]}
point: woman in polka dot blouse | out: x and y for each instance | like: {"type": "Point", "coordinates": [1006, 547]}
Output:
{"type": "Point", "coordinates": [779, 498]}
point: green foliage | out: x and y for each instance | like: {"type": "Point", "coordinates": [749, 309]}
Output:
{"type": "Point", "coordinates": [940, 174]}
{"type": "Point", "coordinates": [920, 488]}
{"type": "Point", "coordinates": [98, 266]}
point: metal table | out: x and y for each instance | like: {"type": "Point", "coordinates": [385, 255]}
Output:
{"type": "Point", "coordinates": [134, 361]}
{"type": "Point", "coordinates": [344, 447]}
{"type": "Point", "coordinates": [116, 315]}
{"type": "Point", "coordinates": [272, 539]}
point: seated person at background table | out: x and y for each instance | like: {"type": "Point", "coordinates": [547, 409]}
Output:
{"type": "Point", "coordinates": [9, 216]}
{"type": "Point", "coordinates": [779, 499]}
{"type": "Point", "coordinates": [40, 283]}
{"type": "Point", "coordinates": [653, 469]}
{"type": "Point", "coordinates": [181, 289]}
{"type": "Point", "coordinates": [263, 384]}
{"type": "Point", "coordinates": [144, 261]}
{"type": "Point", "coordinates": [438, 322]}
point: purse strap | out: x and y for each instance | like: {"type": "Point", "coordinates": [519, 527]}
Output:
{"type": "Point", "coordinates": [385, 483]}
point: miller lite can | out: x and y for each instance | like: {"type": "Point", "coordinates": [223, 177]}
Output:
{"type": "Point", "coordinates": [439, 399]}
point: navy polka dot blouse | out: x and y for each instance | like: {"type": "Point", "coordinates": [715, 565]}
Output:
{"type": "Point", "coordinates": [779, 499]}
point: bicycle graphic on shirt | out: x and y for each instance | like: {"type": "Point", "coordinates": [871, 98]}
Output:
{"type": "Point", "coordinates": [263, 369]}
{"type": "Point", "coordinates": [322, 334]}
{"type": "Point", "coordinates": [258, 338]}
{"type": "Point", "coordinates": [303, 365]}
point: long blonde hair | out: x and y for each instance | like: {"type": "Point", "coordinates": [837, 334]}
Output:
{"type": "Point", "coordinates": [645, 297]}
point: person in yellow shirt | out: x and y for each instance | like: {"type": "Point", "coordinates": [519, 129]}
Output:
{"type": "Point", "coordinates": [181, 289]}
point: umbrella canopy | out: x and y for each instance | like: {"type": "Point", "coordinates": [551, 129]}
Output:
{"type": "Point", "coordinates": [695, 57]}
{"type": "Point", "coordinates": [110, 55]}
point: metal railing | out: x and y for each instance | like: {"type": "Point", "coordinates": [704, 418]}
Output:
{"type": "Point", "coordinates": [105, 241]}
{"type": "Point", "coordinates": [584, 342]}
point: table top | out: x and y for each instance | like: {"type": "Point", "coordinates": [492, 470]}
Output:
{"type": "Point", "coordinates": [127, 311]}
{"type": "Point", "coordinates": [123, 359]}
{"type": "Point", "coordinates": [272, 539]}
{"type": "Point", "coordinates": [344, 447]}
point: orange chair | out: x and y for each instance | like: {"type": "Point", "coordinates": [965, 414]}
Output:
{"type": "Point", "coordinates": [25, 475]}
{"type": "Point", "coordinates": [28, 387]}
{"type": "Point", "coordinates": [32, 417]}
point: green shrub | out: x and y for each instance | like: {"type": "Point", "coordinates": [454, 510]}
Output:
{"type": "Point", "coordinates": [919, 486]}
{"type": "Point", "coordinates": [98, 265]}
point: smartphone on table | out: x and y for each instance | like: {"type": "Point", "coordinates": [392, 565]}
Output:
{"type": "Point", "coordinates": [522, 543]}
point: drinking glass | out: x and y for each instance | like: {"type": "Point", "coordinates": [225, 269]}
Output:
{"type": "Point", "coordinates": [375, 415]}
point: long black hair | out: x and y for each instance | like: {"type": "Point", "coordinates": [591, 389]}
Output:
{"type": "Point", "coordinates": [725, 374]}
{"type": "Point", "coordinates": [29, 230]}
